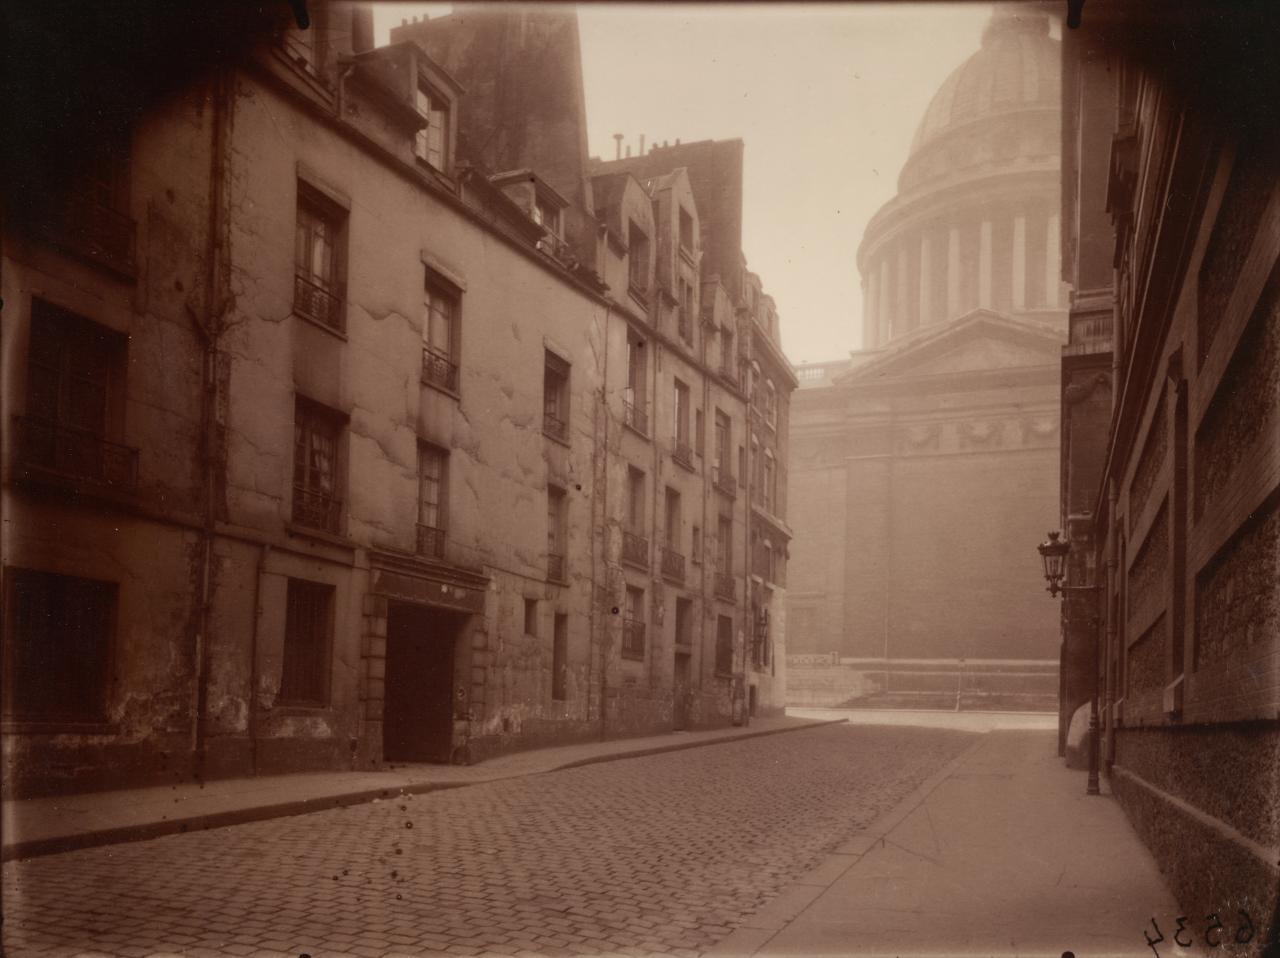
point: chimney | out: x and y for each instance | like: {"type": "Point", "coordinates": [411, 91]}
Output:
{"type": "Point", "coordinates": [628, 153]}
{"type": "Point", "coordinates": [640, 152]}
{"type": "Point", "coordinates": [361, 28]}
{"type": "Point", "coordinates": [617, 146]}
{"type": "Point", "coordinates": [677, 141]}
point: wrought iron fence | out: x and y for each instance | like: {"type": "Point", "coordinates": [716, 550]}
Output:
{"type": "Point", "coordinates": [439, 370]}
{"type": "Point", "coordinates": [725, 482]}
{"type": "Point", "coordinates": [316, 509]}
{"type": "Point", "coordinates": [635, 416]}
{"type": "Point", "coordinates": [76, 453]}
{"type": "Point", "coordinates": [672, 565]}
{"type": "Point", "coordinates": [317, 303]}
{"type": "Point", "coordinates": [632, 639]}
{"type": "Point", "coordinates": [723, 585]}
{"type": "Point", "coordinates": [635, 549]}
{"type": "Point", "coordinates": [682, 453]}
{"type": "Point", "coordinates": [553, 425]}
{"type": "Point", "coordinates": [430, 541]}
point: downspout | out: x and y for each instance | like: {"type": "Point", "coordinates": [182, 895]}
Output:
{"type": "Point", "coordinates": [254, 676]}
{"type": "Point", "coordinates": [602, 643]}
{"type": "Point", "coordinates": [208, 327]}
{"type": "Point", "coordinates": [746, 528]}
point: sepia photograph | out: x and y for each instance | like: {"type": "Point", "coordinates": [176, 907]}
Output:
{"type": "Point", "coordinates": [640, 480]}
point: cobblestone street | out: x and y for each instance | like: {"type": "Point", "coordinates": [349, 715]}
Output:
{"type": "Point", "coordinates": [657, 855]}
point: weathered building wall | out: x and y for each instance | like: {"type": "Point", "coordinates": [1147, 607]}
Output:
{"type": "Point", "coordinates": [134, 525]}
{"type": "Point", "coordinates": [1185, 504]}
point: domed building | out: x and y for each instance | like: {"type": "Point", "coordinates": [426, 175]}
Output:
{"type": "Point", "coordinates": [925, 465]}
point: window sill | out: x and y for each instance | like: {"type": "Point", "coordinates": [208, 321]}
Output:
{"type": "Point", "coordinates": [301, 709]}
{"type": "Point", "coordinates": [336, 333]}
{"type": "Point", "coordinates": [639, 295]}
{"type": "Point", "coordinates": [555, 437]}
{"type": "Point", "coordinates": [438, 387]}
{"type": "Point", "coordinates": [320, 535]}
{"type": "Point", "coordinates": [722, 674]}
{"type": "Point", "coordinates": [636, 429]}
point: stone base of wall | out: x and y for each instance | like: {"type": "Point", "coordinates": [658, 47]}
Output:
{"type": "Point", "coordinates": [1009, 685]}
{"type": "Point", "coordinates": [33, 768]}
{"type": "Point", "coordinates": [1206, 802]}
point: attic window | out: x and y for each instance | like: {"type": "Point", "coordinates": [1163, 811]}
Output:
{"type": "Point", "coordinates": [547, 216]}
{"type": "Point", "coordinates": [431, 144]}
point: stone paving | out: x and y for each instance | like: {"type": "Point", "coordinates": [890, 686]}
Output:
{"type": "Point", "coordinates": [661, 855]}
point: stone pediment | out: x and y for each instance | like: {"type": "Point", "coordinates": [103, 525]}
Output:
{"type": "Point", "coordinates": [980, 341]}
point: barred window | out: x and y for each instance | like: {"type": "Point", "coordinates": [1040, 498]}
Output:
{"type": "Point", "coordinates": [57, 640]}
{"type": "Point", "coordinates": [308, 629]}
{"type": "Point", "coordinates": [433, 463]}
{"type": "Point", "coordinates": [560, 658]}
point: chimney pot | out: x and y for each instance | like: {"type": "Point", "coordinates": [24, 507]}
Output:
{"type": "Point", "coordinates": [617, 146]}
{"type": "Point", "coordinates": [628, 152]}
{"type": "Point", "coordinates": [640, 152]}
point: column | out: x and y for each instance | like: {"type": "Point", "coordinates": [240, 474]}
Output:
{"type": "Point", "coordinates": [1052, 268]}
{"type": "Point", "coordinates": [1019, 262]}
{"type": "Point", "coordinates": [885, 303]}
{"type": "Point", "coordinates": [984, 265]}
{"type": "Point", "coordinates": [870, 305]}
{"type": "Point", "coordinates": [953, 272]}
{"type": "Point", "coordinates": [926, 298]}
{"type": "Point", "coordinates": [902, 315]}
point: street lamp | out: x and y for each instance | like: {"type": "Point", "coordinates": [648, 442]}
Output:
{"type": "Point", "coordinates": [1053, 551]}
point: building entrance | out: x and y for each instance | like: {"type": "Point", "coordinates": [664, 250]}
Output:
{"type": "Point", "coordinates": [417, 723]}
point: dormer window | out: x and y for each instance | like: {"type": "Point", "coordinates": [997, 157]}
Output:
{"type": "Point", "coordinates": [547, 216]}
{"type": "Point", "coordinates": [686, 230]}
{"type": "Point", "coordinates": [637, 260]}
{"type": "Point", "coordinates": [432, 142]}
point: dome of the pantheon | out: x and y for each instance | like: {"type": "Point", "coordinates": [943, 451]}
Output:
{"type": "Point", "coordinates": [975, 221]}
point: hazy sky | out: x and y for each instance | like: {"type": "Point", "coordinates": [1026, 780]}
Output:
{"type": "Point", "coordinates": [826, 98]}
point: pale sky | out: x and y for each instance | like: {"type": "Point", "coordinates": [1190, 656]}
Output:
{"type": "Point", "coordinates": [825, 97]}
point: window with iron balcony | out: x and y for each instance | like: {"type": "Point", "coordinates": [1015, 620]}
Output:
{"type": "Point", "coordinates": [74, 402]}
{"type": "Point", "coordinates": [555, 397]}
{"type": "Point", "coordinates": [635, 412]}
{"type": "Point", "coordinates": [433, 474]}
{"type": "Point", "coordinates": [317, 486]}
{"type": "Point", "coordinates": [319, 260]}
{"type": "Point", "coordinates": [440, 334]}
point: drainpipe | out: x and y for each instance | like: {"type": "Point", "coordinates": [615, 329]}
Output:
{"type": "Point", "coordinates": [254, 676]}
{"type": "Point", "coordinates": [601, 636]}
{"type": "Point", "coordinates": [208, 328]}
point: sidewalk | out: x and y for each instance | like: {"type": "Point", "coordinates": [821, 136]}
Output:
{"type": "Point", "coordinates": [999, 853]}
{"type": "Point", "coordinates": [46, 826]}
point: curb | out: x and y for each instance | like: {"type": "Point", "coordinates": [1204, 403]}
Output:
{"type": "Point", "coordinates": [40, 847]}
{"type": "Point", "coordinates": [757, 930]}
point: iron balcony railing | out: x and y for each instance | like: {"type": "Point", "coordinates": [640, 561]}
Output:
{"type": "Point", "coordinates": [632, 639]}
{"type": "Point", "coordinates": [94, 230]}
{"type": "Point", "coordinates": [672, 565]}
{"type": "Point", "coordinates": [315, 509]}
{"type": "Point", "coordinates": [75, 453]}
{"type": "Point", "coordinates": [317, 303]}
{"type": "Point", "coordinates": [439, 370]}
{"type": "Point", "coordinates": [635, 549]}
{"type": "Point", "coordinates": [636, 416]}
{"type": "Point", "coordinates": [555, 568]}
{"type": "Point", "coordinates": [723, 480]}
{"type": "Point", "coordinates": [430, 541]}
{"type": "Point", "coordinates": [682, 453]}
{"type": "Point", "coordinates": [723, 586]}
{"type": "Point", "coordinates": [553, 425]}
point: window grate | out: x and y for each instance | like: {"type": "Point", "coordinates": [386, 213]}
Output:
{"type": "Point", "coordinates": [304, 678]}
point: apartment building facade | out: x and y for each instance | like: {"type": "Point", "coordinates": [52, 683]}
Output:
{"type": "Point", "coordinates": [327, 435]}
